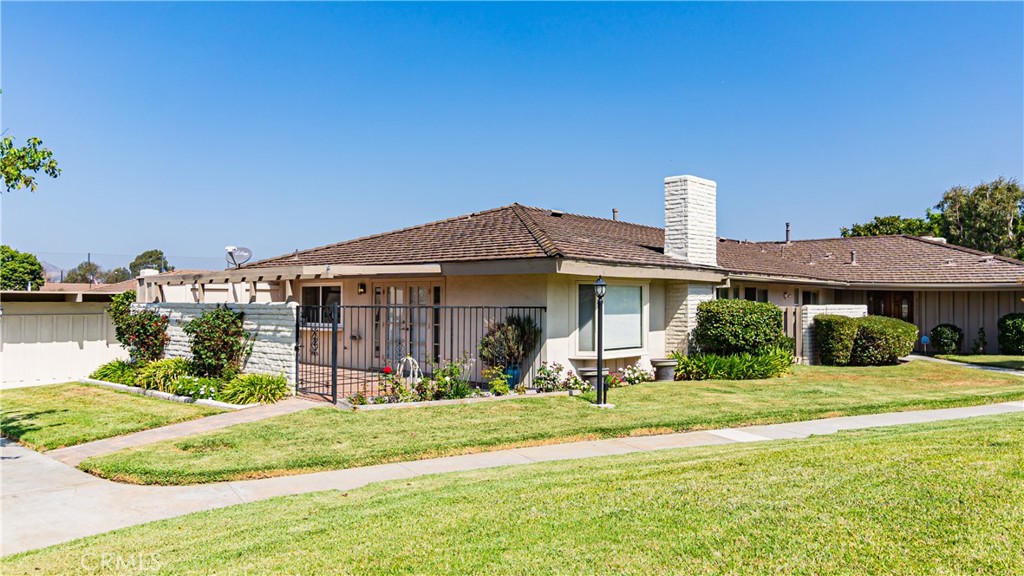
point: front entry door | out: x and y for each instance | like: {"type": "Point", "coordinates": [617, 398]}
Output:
{"type": "Point", "coordinates": [892, 304]}
{"type": "Point", "coordinates": [406, 320]}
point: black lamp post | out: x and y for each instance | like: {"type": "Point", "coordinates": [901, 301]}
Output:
{"type": "Point", "coordinates": [602, 385]}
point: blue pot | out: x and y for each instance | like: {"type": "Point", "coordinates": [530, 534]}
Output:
{"type": "Point", "coordinates": [513, 376]}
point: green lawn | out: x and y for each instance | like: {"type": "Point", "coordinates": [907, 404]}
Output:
{"type": "Point", "coordinates": [326, 439]}
{"type": "Point", "coordinates": [48, 417]}
{"type": "Point", "coordinates": [997, 360]}
{"type": "Point", "coordinates": [940, 498]}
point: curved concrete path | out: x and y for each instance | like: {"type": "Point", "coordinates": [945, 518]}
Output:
{"type": "Point", "coordinates": [45, 501]}
{"type": "Point", "coordinates": [74, 455]}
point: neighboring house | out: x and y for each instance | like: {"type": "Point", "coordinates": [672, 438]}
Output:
{"type": "Point", "coordinates": [51, 335]}
{"type": "Point", "coordinates": [520, 256]}
{"type": "Point", "coordinates": [924, 281]}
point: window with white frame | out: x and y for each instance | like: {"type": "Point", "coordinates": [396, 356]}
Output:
{"type": "Point", "coordinates": [623, 318]}
{"type": "Point", "coordinates": [317, 303]}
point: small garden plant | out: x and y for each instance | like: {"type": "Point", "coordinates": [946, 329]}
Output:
{"type": "Point", "coordinates": [947, 339]}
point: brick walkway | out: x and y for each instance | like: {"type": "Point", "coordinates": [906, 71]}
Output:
{"type": "Point", "coordinates": [74, 455]}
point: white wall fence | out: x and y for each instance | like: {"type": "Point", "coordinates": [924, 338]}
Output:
{"type": "Point", "coordinates": [272, 324]}
{"type": "Point", "coordinates": [47, 343]}
{"type": "Point", "coordinates": [808, 312]}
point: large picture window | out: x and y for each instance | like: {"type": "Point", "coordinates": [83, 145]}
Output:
{"type": "Point", "coordinates": [623, 318]}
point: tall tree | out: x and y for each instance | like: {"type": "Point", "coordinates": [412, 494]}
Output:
{"type": "Point", "coordinates": [20, 164]}
{"type": "Point", "coordinates": [154, 259]}
{"type": "Point", "coordinates": [891, 225]}
{"type": "Point", "coordinates": [85, 272]}
{"type": "Point", "coordinates": [20, 270]}
{"type": "Point", "coordinates": [987, 217]}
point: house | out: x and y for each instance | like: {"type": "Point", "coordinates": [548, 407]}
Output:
{"type": "Point", "coordinates": [56, 334]}
{"type": "Point", "coordinates": [402, 291]}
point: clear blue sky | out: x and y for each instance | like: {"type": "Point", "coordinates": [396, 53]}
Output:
{"type": "Point", "coordinates": [188, 127]}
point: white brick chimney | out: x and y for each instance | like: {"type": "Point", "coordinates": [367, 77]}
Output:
{"type": "Point", "coordinates": [690, 220]}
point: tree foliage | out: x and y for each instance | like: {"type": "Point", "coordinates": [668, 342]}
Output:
{"type": "Point", "coordinates": [19, 270]}
{"type": "Point", "coordinates": [154, 259]}
{"type": "Point", "coordinates": [891, 225]}
{"type": "Point", "coordinates": [85, 272]}
{"type": "Point", "coordinates": [987, 217]}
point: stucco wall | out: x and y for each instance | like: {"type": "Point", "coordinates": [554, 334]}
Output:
{"type": "Point", "coordinates": [810, 346]}
{"type": "Point", "coordinates": [272, 324]}
{"type": "Point", "coordinates": [49, 342]}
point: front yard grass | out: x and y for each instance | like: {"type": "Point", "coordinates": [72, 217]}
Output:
{"type": "Point", "coordinates": [996, 360]}
{"type": "Point", "coordinates": [328, 439]}
{"type": "Point", "coordinates": [48, 417]}
{"type": "Point", "coordinates": [939, 498]}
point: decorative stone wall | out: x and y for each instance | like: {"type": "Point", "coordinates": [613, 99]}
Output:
{"type": "Point", "coordinates": [272, 324]}
{"type": "Point", "coordinates": [691, 232]}
{"type": "Point", "coordinates": [807, 314]}
{"type": "Point", "coordinates": [681, 301]}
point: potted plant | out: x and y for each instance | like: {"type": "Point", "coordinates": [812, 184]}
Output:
{"type": "Point", "coordinates": [507, 344]}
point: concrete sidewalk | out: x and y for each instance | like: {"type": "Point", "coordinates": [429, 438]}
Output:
{"type": "Point", "coordinates": [45, 502]}
{"type": "Point", "coordinates": [965, 364]}
{"type": "Point", "coordinates": [74, 455]}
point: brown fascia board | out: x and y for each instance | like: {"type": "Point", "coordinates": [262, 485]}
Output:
{"type": "Point", "coordinates": [747, 277]}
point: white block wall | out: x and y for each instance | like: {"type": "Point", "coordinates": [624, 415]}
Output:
{"type": "Point", "coordinates": [810, 348]}
{"type": "Point", "coordinates": [691, 232]}
{"type": "Point", "coordinates": [272, 324]}
{"type": "Point", "coordinates": [681, 301]}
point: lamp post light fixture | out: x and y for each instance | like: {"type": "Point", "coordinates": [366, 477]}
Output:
{"type": "Point", "coordinates": [602, 385]}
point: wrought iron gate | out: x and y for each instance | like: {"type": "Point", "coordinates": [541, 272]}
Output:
{"type": "Point", "coordinates": [316, 351]}
{"type": "Point", "coordinates": [345, 350]}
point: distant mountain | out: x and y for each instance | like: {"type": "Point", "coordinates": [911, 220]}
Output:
{"type": "Point", "coordinates": [52, 273]}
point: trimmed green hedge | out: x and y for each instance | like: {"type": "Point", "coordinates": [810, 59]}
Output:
{"type": "Point", "coordinates": [878, 341]}
{"type": "Point", "coordinates": [947, 339]}
{"type": "Point", "coordinates": [835, 335]}
{"type": "Point", "coordinates": [727, 327]}
{"type": "Point", "coordinates": [1011, 334]}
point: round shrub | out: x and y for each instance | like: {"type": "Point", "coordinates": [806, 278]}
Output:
{"type": "Point", "coordinates": [735, 326]}
{"type": "Point", "coordinates": [145, 335]}
{"type": "Point", "coordinates": [881, 341]}
{"type": "Point", "coordinates": [162, 374]}
{"type": "Point", "coordinates": [835, 335]}
{"type": "Point", "coordinates": [255, 389]}
{"type": "Point", "coordinates": [947, 339]}
{"type": "Point", "coordinates": [1011, 334]}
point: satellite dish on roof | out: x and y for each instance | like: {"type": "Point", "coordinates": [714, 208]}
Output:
{"type": "Point", "coordinates": [237, 256]}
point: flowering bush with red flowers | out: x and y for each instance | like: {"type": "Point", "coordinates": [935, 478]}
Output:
{"type": "Point", "coordinates": [145, 335]}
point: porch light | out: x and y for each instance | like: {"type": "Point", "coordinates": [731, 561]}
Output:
{"type": "Point", "coordinates": [602, 385]}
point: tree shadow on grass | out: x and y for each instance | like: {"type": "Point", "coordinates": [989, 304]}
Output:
{"type": "Point", "coordinates": [15, 425]}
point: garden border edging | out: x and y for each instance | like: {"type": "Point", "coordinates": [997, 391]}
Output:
{"type": "Point", "coordinates": [165, 395]}
{"type": "Point", "coordinates": [344, 404]}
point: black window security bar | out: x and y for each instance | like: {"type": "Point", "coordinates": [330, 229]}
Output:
{"type": "Point", "coordinates": [343, 350]}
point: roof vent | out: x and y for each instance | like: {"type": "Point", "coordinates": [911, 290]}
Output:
{"type": "Point", "coordinates": [557, 213]}
{"type": "Point", "coordinates": [938, 239]}
{"type": "Point", "coordinates": [853, 257]}
{"type": "Point", "coordinates": [949, 262]}
{"type": "Point", "coordinates": [988, 258]}
{"type": "Point", "coordinates": [828, 255]}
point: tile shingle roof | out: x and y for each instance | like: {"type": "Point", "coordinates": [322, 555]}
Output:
{"type": "Point", "coordinates": [522, 232]}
